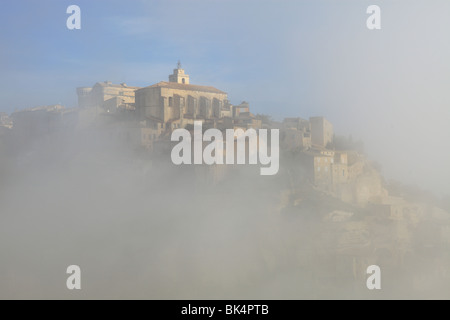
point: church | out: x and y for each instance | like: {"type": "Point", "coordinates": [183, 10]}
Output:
{"type": "Point", "coordinates": [177, 103]}
{"type": "Point", "coordinates": [145, 115]}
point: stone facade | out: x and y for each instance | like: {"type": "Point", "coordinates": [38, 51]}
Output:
{"type": "Point", "coordinates": [321, 131]}
{"type": "Point", "coordinates": [172, 100]}
{"type": "Point", "coordinates": [101, 92]}
{"type": "Point", "coordinates": [346, 175]}
{"type": "Point", "coordinates": [179, 76]}
{"type": "Point", "coordinates": [296, 134]}
{"type": "Point", "coordinates": [177, 104]}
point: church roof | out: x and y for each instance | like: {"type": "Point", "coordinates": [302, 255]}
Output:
{"type": "Point", "coordinates": [112, 85]}
{"type": "Point", "coordinates": [182, 86]}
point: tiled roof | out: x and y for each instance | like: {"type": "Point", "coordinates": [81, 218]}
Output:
{"type": "Point", "coordinates": [182, 86]}
{"type": "Point", "coordinates": [112, 85]}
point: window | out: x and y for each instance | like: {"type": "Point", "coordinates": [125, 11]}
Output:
{"type": "Point", "coordinates": [182, 80]}
{"type": "Point", "coordinates": [343, 173]}
{"type": "Point", "coordinates": [318, 169]}
{"type": "Point", "coordinates": [326, 169]}
{"type": "Point", "coordinates": [170, 101]}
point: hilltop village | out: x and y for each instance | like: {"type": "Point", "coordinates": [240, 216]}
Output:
{"type": "Point", "coordinates": [325, 175]}
{"type": "Point", "coordinates": [145, 117]}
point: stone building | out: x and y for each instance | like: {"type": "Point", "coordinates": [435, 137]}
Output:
{"type": "Point", "coordinates": [321, 131]}
{"type": "Point", "coordinates": [107, 96]}
{"type": "Point", "coordinates": [344, 174]}
{"type": "Point", "coordinates": [178, 75]}
{"type": "Point", "coordinates": [104, 98]}
{"type": "Point", "coordinates": [339, 170]}
{"type": "Point", "coordinates": [147, 115]}
{"type": "Point", "coordinates": [177, 103]}
{"type": "Point", "coordinates": [247, 120]}
{"type": "Point", "coordinates": [242, 108]}
{"type": "Point", "coordinates": [323, 168]}
{"type": "Point", "coordinates": [295, 133]}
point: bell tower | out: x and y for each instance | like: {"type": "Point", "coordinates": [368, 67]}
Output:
{"type": "Point", "coordinates": [178, 75]}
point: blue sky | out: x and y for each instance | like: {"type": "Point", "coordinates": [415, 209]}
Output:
{"type": "Point", "coordinates": [238, 46]}
{"type": "Point", "coordinates": [287, 58]}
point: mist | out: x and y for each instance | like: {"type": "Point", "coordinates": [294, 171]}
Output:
{"type": "Point", "coordinates": [141, 227]}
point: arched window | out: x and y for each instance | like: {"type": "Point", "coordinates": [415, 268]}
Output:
{"type": "Point", "coordinates": [182, 80]}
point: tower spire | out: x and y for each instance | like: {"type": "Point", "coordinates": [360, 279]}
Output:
{"type": "Point", "coordinates": [178, 75]}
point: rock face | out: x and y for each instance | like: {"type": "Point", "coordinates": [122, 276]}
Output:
{"type": "Point", "coordinates": [354, 223]}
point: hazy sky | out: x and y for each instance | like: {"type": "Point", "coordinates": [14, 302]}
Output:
{"type": "Point", "coordinates": [287, 58]}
